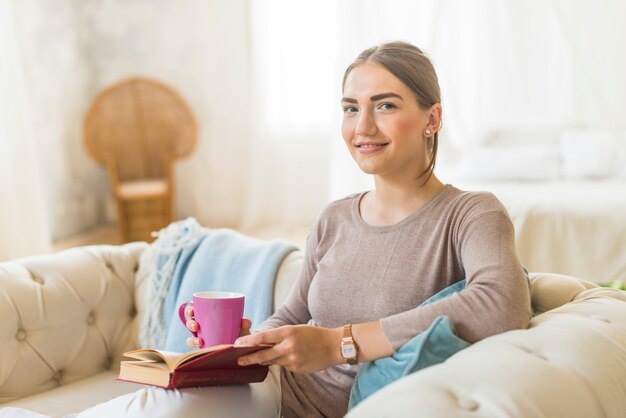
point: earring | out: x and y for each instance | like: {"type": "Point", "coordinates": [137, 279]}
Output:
{"type": "Point", "coordinates": [427, 131]}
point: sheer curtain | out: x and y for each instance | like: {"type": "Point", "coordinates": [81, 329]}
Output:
{"type": "Point", "coordinates": [23, 224]}
{"type": "Point", "coordinates": [295, 103]}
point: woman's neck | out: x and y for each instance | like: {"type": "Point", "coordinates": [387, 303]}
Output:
{"type": "Point", "coordinates": [392, 201]}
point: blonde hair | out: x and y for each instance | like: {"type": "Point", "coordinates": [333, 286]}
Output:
{"type": "Point", "coordinates": [411, 66]}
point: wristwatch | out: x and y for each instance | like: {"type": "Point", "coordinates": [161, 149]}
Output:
{"type": "Point", "coordinates": [349, 348]}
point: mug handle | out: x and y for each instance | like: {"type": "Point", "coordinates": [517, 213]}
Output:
{"type": "Point", "coordinates": [183, 317]}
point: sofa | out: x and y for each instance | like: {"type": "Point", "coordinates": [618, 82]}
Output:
{"type": "Point", "coordinates": [68, 317]}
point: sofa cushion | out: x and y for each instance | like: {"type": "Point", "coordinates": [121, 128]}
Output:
{"type": "Point", "coordinates": [76, 396]}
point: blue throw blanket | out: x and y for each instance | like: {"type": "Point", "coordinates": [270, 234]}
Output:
{"type": "Point", "coordinates": [224, 260]}
{"type": "Point", "coordinates": [175, 243]}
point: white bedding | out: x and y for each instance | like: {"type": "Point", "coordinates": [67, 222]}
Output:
{"type": "Point", "coordinates": [570, 227]}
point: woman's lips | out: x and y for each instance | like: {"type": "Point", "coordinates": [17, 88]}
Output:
{"type": "Point", "coordinates": [370, 148]}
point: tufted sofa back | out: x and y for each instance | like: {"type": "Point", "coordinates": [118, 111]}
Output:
{"type": "Point", "coordinates": [66, 316]}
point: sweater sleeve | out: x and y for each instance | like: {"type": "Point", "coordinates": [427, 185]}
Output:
{"type": "Point", "coordinates": [496, 297]}
{"type": "Point", "coordinates": [295, 310]}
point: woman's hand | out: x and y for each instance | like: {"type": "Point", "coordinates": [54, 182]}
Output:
{"type": "Point", "coordinates": [299, 348]}
{"type": "Point", "coordinates": [192, 325]}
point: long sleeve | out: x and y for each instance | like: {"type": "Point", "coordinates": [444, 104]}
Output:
{"type": "Point", "coordinates": [496, 298]}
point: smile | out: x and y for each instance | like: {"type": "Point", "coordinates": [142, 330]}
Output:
{"type": "Point", "coordinates": [370, 148]}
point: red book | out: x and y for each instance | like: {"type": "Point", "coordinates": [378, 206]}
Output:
{"type": "Point", "coordinates": [207, 367]}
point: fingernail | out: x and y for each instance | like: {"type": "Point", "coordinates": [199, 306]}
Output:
{"type": "Point", "coordinates": [241, 362]}
{"type": "Point", "coordinates": [237, 342]}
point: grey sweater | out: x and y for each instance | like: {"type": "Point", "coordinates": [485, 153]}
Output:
{"type": "Point", "coordinates": [354, 272]}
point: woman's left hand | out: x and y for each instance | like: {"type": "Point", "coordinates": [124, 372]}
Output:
{"type": "Point", "coordinates": [299, 348]}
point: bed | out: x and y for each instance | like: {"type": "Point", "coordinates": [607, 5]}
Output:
{"type": "Point", "coordinates": [570, 227]}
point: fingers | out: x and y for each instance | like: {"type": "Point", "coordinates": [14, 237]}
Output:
{"type": "Point", "coordinates": [192, 325]}
{"type": "Point", "coordinates": [271, 336]}
{"type": "Point", "coordinates": [246, 324]}
{"type": "Point", "coordinates": [264, 357]}
{"type": "Point", "coordinates": [194, 342]}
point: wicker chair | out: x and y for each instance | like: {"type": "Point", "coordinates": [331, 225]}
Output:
{"type": "Point", "coordinates": [136, 129]}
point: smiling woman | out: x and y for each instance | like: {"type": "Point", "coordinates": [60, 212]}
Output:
{"type": "Point", "coordinates": [383, 116]}
{"type": "Point", "coordinates": [373, 257]}
{"type": "Point", "coordinates": [376, 68]}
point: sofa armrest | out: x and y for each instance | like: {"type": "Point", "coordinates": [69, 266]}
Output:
{"type": "Point", "coordinates": [65, 316]}
{"type": "Point", "coordinates": [549, 290]}
{"type": "Point", "coordinates": [286, 277]}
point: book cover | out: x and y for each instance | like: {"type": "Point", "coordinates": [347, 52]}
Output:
{"type": "Point", "coordinates": [207, 367]}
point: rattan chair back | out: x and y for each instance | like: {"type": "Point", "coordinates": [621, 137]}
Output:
{"type": "Point", "coordinates": [137, 128]}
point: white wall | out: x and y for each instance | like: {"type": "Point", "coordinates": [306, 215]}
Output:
{"type": "Point", "coordinates": [73, 49]}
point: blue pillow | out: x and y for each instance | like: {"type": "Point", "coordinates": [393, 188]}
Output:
{"type": "Point", "coordinates": [433, 346]}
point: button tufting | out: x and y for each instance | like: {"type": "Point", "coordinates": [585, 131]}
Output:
{"type": "Point", "coordinates": [20, 335]}
{"type": "Point", "coordinates": [90, 318]}
{"type": "Point", "coordinates": [600, 318]}
{"type": "Point", "coordinates": [468, 404]}
{"type": "Point", "coordinates": [57, 376]}
{"type": "Point", "coordinates": [37, 279]}
{"type": "Point", "coordinates": [136, 268]}
{"type": "Point", "coordinates": [133, 312]}
{"type": "Point", "coordinates": [107, 363]}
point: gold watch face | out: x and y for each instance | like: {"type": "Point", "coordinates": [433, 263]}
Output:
{"type": "Point", "coordinates": [348, 351]}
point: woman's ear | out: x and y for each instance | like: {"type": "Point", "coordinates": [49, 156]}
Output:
{"type": "Point", "coordinates": [434, 118]}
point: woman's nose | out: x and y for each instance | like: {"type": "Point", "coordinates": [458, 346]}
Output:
{"type": "Point", "coordinates": [366, 125]}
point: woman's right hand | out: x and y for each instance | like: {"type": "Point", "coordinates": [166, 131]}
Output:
{"type": "Point", "coordinates": [192, 326]}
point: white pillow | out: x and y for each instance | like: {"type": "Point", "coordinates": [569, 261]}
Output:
{"type": "Point", "coordinates": [518, 162]}
{"type": "Point", "coordinates": [587, 153]}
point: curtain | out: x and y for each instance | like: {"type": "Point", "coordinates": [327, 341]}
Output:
{"type": "Point", "coordinates": [23, 224]}
{"type": "Point", "coordinates": [294, 111]}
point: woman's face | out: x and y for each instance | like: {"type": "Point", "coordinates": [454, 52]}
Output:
{"type": "Point", "coordinates": [383, 125]}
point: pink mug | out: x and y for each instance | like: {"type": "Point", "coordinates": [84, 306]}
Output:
{"type": "Point", "coordinates": [218, 315]}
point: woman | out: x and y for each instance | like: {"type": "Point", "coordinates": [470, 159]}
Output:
{"type": "Point", "coordinates": [372, 258]}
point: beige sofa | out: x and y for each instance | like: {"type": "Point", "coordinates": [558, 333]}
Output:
{"type": "Point", "coordinates": [67, 318]}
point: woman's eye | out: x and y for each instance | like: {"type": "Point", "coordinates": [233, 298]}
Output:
{"type": "Point", "coordinates": [349, 109]}
{"type": "Point", "coordinates": [387, 106]}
